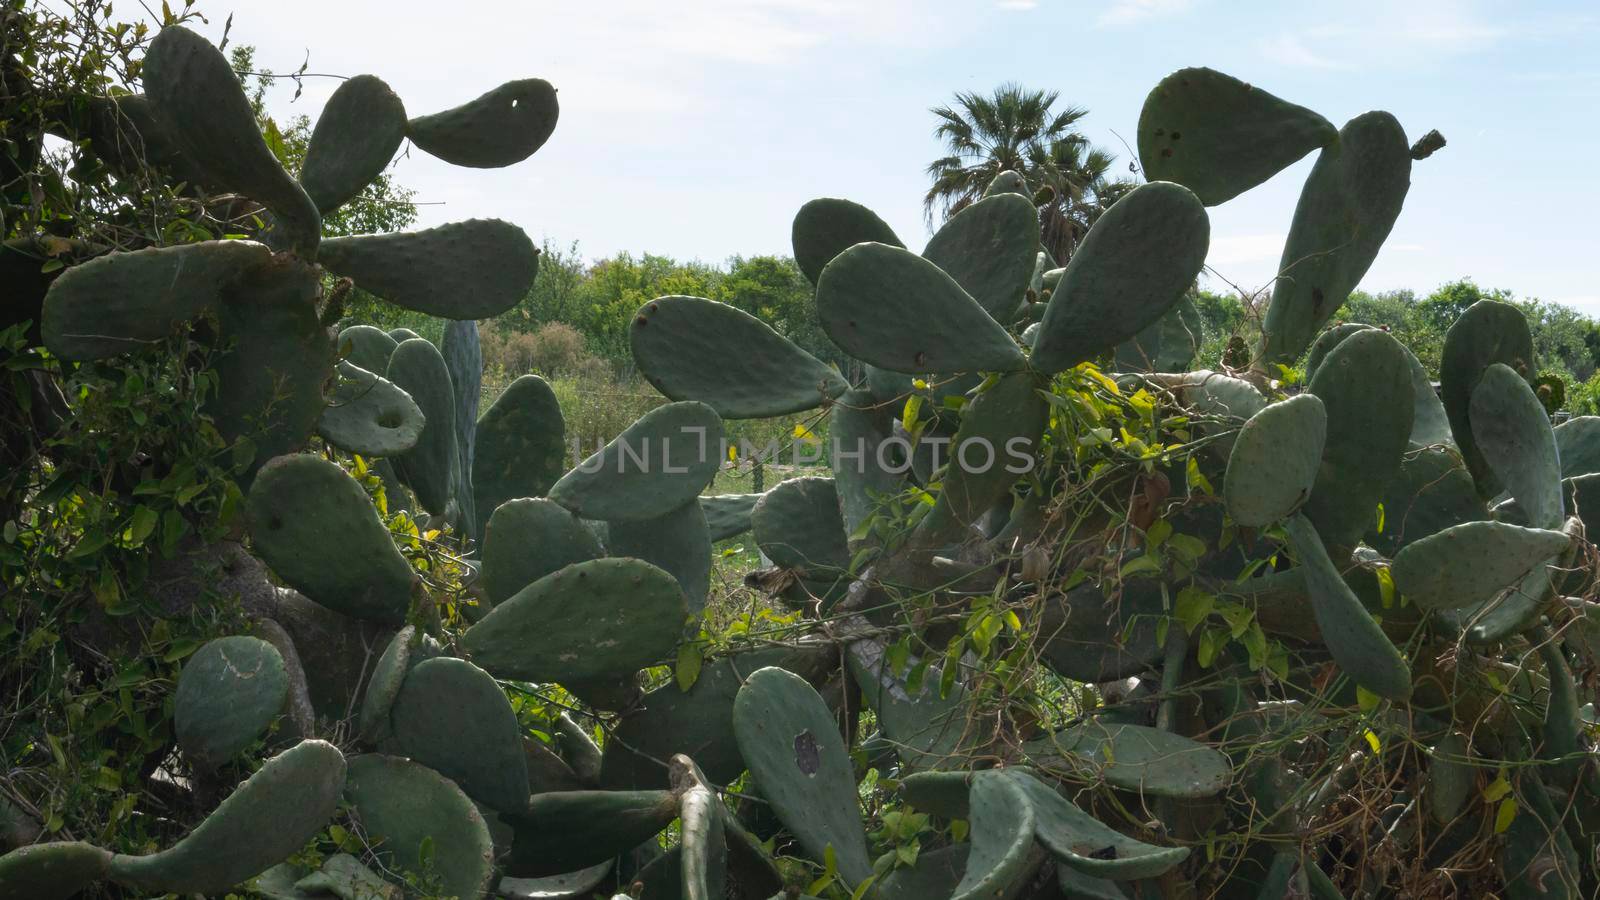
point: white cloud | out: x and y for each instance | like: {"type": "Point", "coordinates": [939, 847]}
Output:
{"type": "Point", "coordinates": [1420, 31]}
{"type": "Point", "coordinates": [1129, 12]}
{"type": "Point", "coordinates": [1584, 303]}
{"type": "Point", "coordinates": [1018, 5]}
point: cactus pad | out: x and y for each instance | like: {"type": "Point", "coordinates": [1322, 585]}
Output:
{"type": "Point", "coordinates": [656, 465]}
{"type": "Point", "coordinates": [1067, 831]}
{"type": "Point", "coordinates": [682, 346]}
{"type": "Point", "coordinates": [1002, 823]}
{"type": "Point", "coordinates": [826, 227]}
{"type": "Point", "coordinates": [728, 515]}
{"type": "Point", "coordinates": [1350, 201]}
{"type": "Point", "coordinates": [429, 467]}
{"type": "Point", "coordinates": [466, 270]}
{"type": "Point", "coordinates": [358, 132]}
{"type": "Point", "coordinates": [519, 449]}
{"type": "Point", "coordinates": [588, 621]}
{"type": "Point", "coordinates": [272, 815]}
{"type": "Point", "coordinates": [797, 525]}
{"type": "Point", "coordinates": [195, 92]}
{"type": "Point", "coordinates": [452, 717]}
{"type": "Point", "coordinates": [1469, 564]}
{"type": "Point", "coordinates": [997, 443]}
{"type": "Point", "coordinates": [1219, 137]}
{"type": "Point", "coordinates": [52, 871]}
{"type": "Point", "coordinates": [1087, 637]}
{"type": "Point", "coordinates": [369, 415]}
{"type": "Point", "coordinates": [500, 128]}
{"type": "Point", "coordinates": [126, 301]}
{"type": "Point", "coordinates": [1578, 445]}
{"type": "Point", "coordinates": [403, 805]}
{"type": "Point", "coordinates": [1135, 264]}
{"type": "Point", "coordinates": [790, 742]}
{"type": "Point", "coordinates": [1135, 758]}
{"type": "Point", "coordinates": [1358, 645]}
{"type": "Point", "coordinates": [314, 526]}
{"type": "Point", "coordinates": [1512, 431]}
{"type": "Point", "coordinates": [568, 830]}
{"type": "Point", "coordinates": [1432, 492]}
{"type": "Point", "coordinates": [1488, 332]}
{"type": "Point", "coordinates": [396, 662]}
{"type": "Point", "coordinates": [678, 542]}
{"type": "Point", "coordinates": [990, 248]}
{"type": "Point", "coordinates": [894, 309]}
{"type": "Point", "coordinates": [228, 694]}
{"type": "Point", "coordinates": [1275, 460]}
{"type": "Point", "coordinates": [528, 539]}
{"type": "Point", "coordinates": [367, 347]}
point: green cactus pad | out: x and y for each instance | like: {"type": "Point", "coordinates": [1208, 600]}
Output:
{"type": "Point", "coordinates": [397, 661]}
{"type": "Point", "coordinates": [317, 530]}
{"type": "Point", "coordinates": [1008, 182]}
{"type": "Point", "coordinates": [453, 718]}
{"type": "Point", "coordinates": [588, 621]}
{"type": "Point", "coordinates": [728, 515]}
{"type": "Point", "coordinates": [369, 415]}
{"type": "Point", "coordinates": [678, 542]}
{"type": "Point", "coordinates": [279, 357]}
{"type": "Point", "coordinates": [793, 749]}
{"type": "Point", "coordinates": [889, 307]}
{"type": "Point", "coordinates": [569, 830]}
{"type": "Point", "coordinates": [1002, 830]}
{"type": "Point", "coordinates": [578, 749]}
{"type": "Point", "coordinates": [500, 128]}
{"type": "Point", "coordinates": [1432, 492]}
{"type": "Point", "coordinates": [1451, 778]}
{"type": "Point", "coordinates": [656, 465]}
{"type": "Point", "coordinates": [697, 722]}
{"type": "Point", "coordinates": [1488, 332]}
{"type": "Point", "coordinates": [367, 347]}
{"type": "Point", "coordinates": [1168, 344]}
{"type": "Point", "coordinates": [272, 815]}
{"type": "Point", "coordinates": [1350, 201]}
{"type": "Point", "coordinates": [940, 793]}
{"type": "Point", "coordinates": [228, 694]}
{"type": "Point", "coordinates": [1537, 861]}
{"type": "Point", "coordinates": [863, 465]}
{"type": "Point", "coordinates": [935, 874]}
{"type": "Point", "coordinates": [691, 348]}
{"type": "Point", "coordinates": [126, 301]}
{"type": "Point", "coordinates": [826, 227]}
{"type": "Point", "coordinates": [528, 539]}
{"type": "Point", "coordinates": [577, 885]}
{"type": "Point", "coordinates": [519, 449]}
{"type": "Point", "coordinates": [1512, 431]}
{"type": "Point", "coordinates": [1358, 645]}
{"type": "Point", "coordinates": [342, 875]}
{"type": "Point", "coordinates": [194, 90]}
{"type": "Point", "coordinates": [1275, 460]}
{"type": "Point", "coordinates": [1430, 425]}
{"type": "Point", "coordinates": [997, 444]}
{"type": "Point", "coordinates": [1086, 637]}
{"type": "Point", "coordinates": [1135, 264]}
{"type": "Point", "coordinates": [1219, 136]}
{"type": "Point", "coordinates": [1222, 403]}
{"type": "Point", "coordinates": [1563, 745]}
{"type": "Point", "coordinates": [927, 731]}
{"type": "Point", "coordinates": [417, 367]}
{"type": "Point", "coordinates": [1075, 885]}
{"type": "Point", "coordinates": [1469, 564]}
{"type": "Point", "coordinates": [356, 136]}
{"type": "Point", "coordinates": [797, 525]}
{"type": "Point", "coordinates": [401, 335]}
{"type": "Point", "coordinates": [52, 871]}
{"type": "Point", "coordinates": [475, 269]}
{"type": "Point", "coordinates": [1365, 387]}
{"type": "Point", "coordinates": [1079, 840]}
{"type": "Point", "coordinates": [462, 350]}
{"type": "Point", "coordinates": [1578, 445]}
{"type": "Point", "coordinates": [1135, 758]}
{"type": "Point", "coordinates": [402, 805]}
{"type": "Point", "coordinates": [990, 249]}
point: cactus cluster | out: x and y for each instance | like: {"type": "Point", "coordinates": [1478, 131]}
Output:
{"type": "Point", "coordinates": [1451, 623]}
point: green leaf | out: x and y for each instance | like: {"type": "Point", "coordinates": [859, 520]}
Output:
{"type": "Point", "coordinates": [687, 670]}
{"type": "Point", "coordinates": [143, 524]}
{"type": "Point", "coordinates": [1192, 607]}
{"type": "Point", "coordinates": [1505, 815]}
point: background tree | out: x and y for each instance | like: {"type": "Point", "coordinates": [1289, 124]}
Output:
{"type": "Point", "coordinates": [1018, 129]}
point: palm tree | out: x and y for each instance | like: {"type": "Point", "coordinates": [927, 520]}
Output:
{"type": "Point", "coordinates": [1016, 129]}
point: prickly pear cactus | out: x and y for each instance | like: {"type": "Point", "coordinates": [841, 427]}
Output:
{"type": "Point", "coordinates": [1050, 628]}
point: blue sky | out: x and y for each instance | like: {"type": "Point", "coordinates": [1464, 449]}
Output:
{"type": "Point", "coordinates": [697, 128]}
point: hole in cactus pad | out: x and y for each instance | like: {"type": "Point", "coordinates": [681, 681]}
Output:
{"type": "Point", "coordinates": [806, 754]}
{"type": "Point", "coordinates": [390, 419]}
